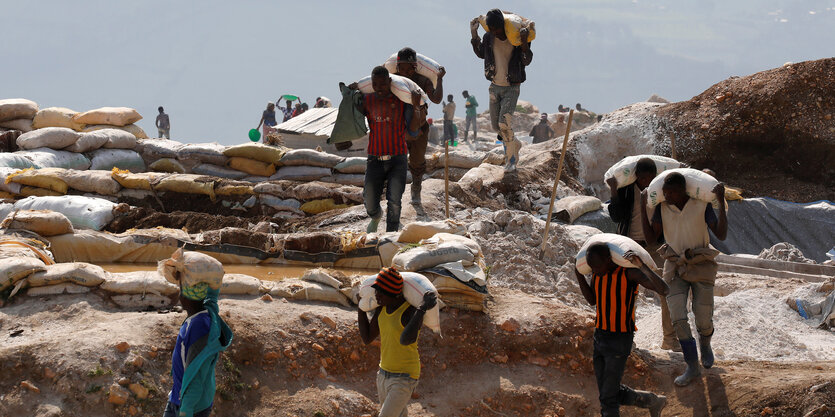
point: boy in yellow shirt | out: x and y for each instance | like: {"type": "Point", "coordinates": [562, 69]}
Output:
{"type": "Point", "coordinates": [397, 323]}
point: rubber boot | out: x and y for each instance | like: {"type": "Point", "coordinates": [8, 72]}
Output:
{"type": "Point", "coordinates": [372, 225]}
{"type": "Point", "coordinates": [706, 351]}
{"type": "Point", "coordinates": [417, 186]}
{"type": "Point", "coordinates": [691, 357]}
{"type": "Point", "coordinates": [653, 402]}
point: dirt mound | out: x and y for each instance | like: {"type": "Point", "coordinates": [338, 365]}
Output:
{"type": "Point", "coordinates": [772, 133]}
{"type": "Point", "coordinates": [190, 221]}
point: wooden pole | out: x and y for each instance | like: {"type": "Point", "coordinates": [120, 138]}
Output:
{"type": "Point", "coordinates": [556, 183]}
{"type": "Point", "coordinates": [446, 176]}
{"type": "Point", "coordinates": [673, 144]}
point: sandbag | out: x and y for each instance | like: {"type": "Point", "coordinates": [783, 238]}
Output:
{"type": "Point", "coordinates": [300, 173]}
{"type": "Point", "coordinates": [414, 287]}
{"type": "Point", "coordinates": [251, 166]}
{"type": "Point", "coordinates": [16, 268]}
{"type": "Point", "coordinates": [321, 206]}
{"type": "Point", "coordinates": [357, 180]}
{"type": "Point", "coordinates": [143, 301]}
{"type": "Point", "coordinates": [17, 108]}
{"type": "Point", "coordinates": [16, 160]}
{"type": "Point", "coordinates": [153, 149]}
{"type": "Point", "coordinates": [296, 289]}
{"type": "Point", "coordinates": [352, 165]}
{"type": "Point", "coordinates": [80, 273]}
{"type": "Point", "coordinates": [29, 191]}
{"type": "Point", "coordinates": [5, 209]}
{"type": "Point", "coordinates": [134, 194]}
{"type": "Point", "coordinates": [123, 159]}
{"type": "Point", "coordinates": [98, 182]}
{"type": "Point", "coordinates": [512, 24]}
{"type": "Point", "coordinates": [426, 66]}
{"type": "Point", "coordinates": [699, 186]}
{"type": "Point", "coordinates": [256, 151]}
{"type": "Point", "coordinates": [191, 268]}
{"type": "Point", "coordinates": [618, 245]}
{"type": "Point", "coordinates": [43, 222]}
{"type": "Point", "coordinates": [462, 159]}
{"type": "Point", "coordinates": [240, 284]}
{"type": "Point", "coordinates": [47, 178]}
{"type": "Point", "coordinates": [570, 208]}
{"type": "Point", "coordinates": [310, 157]}
{"type": "Point", "coordinates": [83, 212]}
{"type": "Point", "coordinates": [233, 189]}
{"type": "Point", "coordinates": [187, 184]}
{"type": "Point", "coordinates": [57, 289]}
{"type": "Point", "coordinates": [210, 153]}
{"type": "Point", "coordinates": [138, 282]}
{"type": "Point", "coordinates": [140, 181]}
{"type": "Point", "coordinates": [89, 141]}
{"type": "Point", "coordinates": [439, 249]}
{"type": "Point", "coordinates": [401, 87]}
{"type": "Point", "coordinates": [624, 170]}
{"type": "Point", "coordinates": [116, 138]}
{"type": "Point", "coordinates": [280, 204]}
{"type": "Point", "coordinates": [10, 187]}
{"type": "Point", "coordinates": [134, 130]}
{"type": "Point", "coordinates": [219, 171]}
{"type": "Point", "coordinates": [116, 116]}
{"type": "Point", "coordinates": [167, 165]}
{"type": "Point", "coordinates": [416, 231]}
{"type": "Point", "coordinates": [50, 158]}
{"type": "Point", "coordinates": [321, 276]}
{"type": "Point", "coordinates": [56, 117]}
{"type": "Point", "coordinates": [23, 125]}
{"type": "Point", "coordinates": [48, 137]}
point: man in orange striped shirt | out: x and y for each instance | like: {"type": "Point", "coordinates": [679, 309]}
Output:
{"type": "Point", "coordinates": [613, 290]}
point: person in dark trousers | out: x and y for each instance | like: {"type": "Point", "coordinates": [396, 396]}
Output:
{"type": "Point", "coordinates": [163, 124]}
{"type": "Point", "coordinates": [542, 131]}
{"type": "Point", "coordinates": [449, 116]}
{"type": "Point", "coordinates": [398, 324]}
{"type": "Point", "coordinates": [625, 211]}
{"type": "Point", "coordinates": [689, 265]}
{"type": "Point", "coordinates": [613, 291]}
{"type": "Point", "coordinates": [470, 104]}
{"type": "Point", "coordinates": [504, 67]}
{"type": "Point", "coordinates": [389, 121]}
{"type": "Point", "coordinates": [407, 67]}
{"type": "Point", "coordinates": [202, 336]}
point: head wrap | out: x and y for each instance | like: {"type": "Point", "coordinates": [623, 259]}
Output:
{"type": "Point", "coordinates": [195, 292]}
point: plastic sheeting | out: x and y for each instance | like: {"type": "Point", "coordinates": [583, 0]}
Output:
{"type": "Point", "coordinates": [755, 224]}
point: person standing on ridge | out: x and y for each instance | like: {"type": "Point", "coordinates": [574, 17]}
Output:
{"type": "Point", "coordinates": [163, 124]}
{"type": "Point", "coordinates": [504, 67]}
{"type": "Point", "coordinates": [542, 131]}
{"type": "Point", "coordinates": [449, 115]}
{"type": "Point", "coordinates": [472, 114]}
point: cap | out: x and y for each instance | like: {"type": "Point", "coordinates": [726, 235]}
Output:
{"type": "Point", "coordinates": [389, 281]}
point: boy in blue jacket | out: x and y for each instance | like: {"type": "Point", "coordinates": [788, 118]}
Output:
{"type": "Point", "coordinates": [202, 337]}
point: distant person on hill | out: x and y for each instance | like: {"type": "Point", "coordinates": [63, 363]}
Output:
{"type": "Point", "coordinates": [472, 115]}
{"type": "Point", "coordinates": [504, 67]}
{"type": "Point", "coordinates": [297, 110]}
{"type": "Point", "coordinates": [407, 67]}
{"type": "Point", "coordinates": [542, 131]}
{"type": "Point", "coordinates": [397, 323]}
{"type": "Point", "coordinates": [202, 336]}
{"type": "Point", "coordinates": [625, 211]}
{"type": "Point", "coordinates": [580, 108]}
{"type": "Point", "coordinates": [287, 110]}
{"type": "Point", "coordinates": [322, 102]}
{"type": "Point", "coordinates": [560, 125]}
{"type": "Point", "coordinates": [689, 265]}
{"type": "Point", "coordinates": [599, 117]}
{"type": "Point", "coordinates": [449, 115]}
{"type": "Point", "coordinates": [268, 120]}
{"type": "Point", "coordinates": [615, 326]}
{"type": "Point", "coordinates": [163, 124]}
{"type": "Point", "coordinates": [562, 109]}
{"type": "Point", "coordinates": [390, 121]}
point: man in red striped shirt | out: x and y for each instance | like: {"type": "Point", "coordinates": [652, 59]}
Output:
{"type": "Point", "coordinates": [389, 121]}
{"type": "Point", "coordinates": [613, 291]}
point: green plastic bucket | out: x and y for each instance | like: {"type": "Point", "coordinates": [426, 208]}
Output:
{"type": "Point", "coordinates": [254, 135]}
